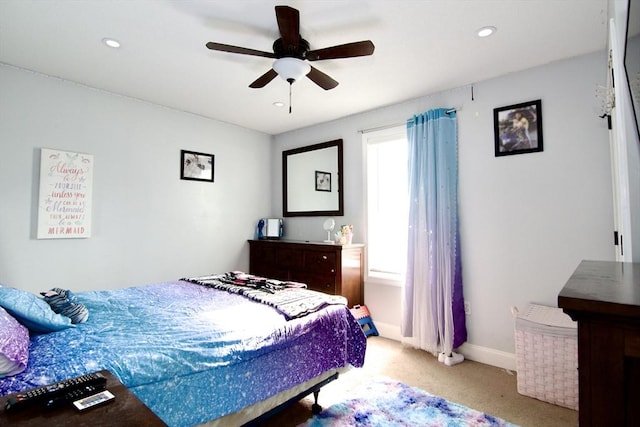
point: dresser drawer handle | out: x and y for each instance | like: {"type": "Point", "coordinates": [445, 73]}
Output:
{"type": "Point", "coordinates": [324, 257]}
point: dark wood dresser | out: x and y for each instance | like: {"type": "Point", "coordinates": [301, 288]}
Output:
{"type": "Point", "coordinates": [334, 269]}
{"type": "Point", "coordinates": [604, 298]}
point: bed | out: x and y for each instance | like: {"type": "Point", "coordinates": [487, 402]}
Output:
{"type": "Point", "coordinates": [229, 357]}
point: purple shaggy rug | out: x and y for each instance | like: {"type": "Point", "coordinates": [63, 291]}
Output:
{"type": "Point", "coordinates": [389, 403]}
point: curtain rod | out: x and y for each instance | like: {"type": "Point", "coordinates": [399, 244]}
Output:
{"type": "Point", "coordinates": [449, 111]}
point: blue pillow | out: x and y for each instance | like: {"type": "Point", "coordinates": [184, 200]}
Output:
{"type": "Point", "coordinates": [32, 311]}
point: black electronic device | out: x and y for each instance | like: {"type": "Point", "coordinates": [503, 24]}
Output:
{"type": "Point", "coordinates": [54, 395]}
{"type": "Point", "coordinates": [72, 396]}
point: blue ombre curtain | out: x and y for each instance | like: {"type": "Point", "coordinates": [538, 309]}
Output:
{"type": "Point", "coordinates": [433, 306]}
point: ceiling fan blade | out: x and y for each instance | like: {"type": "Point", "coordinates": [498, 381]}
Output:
{"type": "Point", "coordinates": [264, 79]}
{"type": "Point", "coordinates": [348, 50]}
{"type": "Point", "coordinates": [321, 79]}
{"type": "Point", "coordinates": [289, 25]}
{"type": "Point", "coordinates": [236, 49]}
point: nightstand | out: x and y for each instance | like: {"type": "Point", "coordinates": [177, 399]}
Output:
{"type": "Point", "coordinates": [125, 410]}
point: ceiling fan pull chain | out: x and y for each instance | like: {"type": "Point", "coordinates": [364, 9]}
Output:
{"type": "Point", "coordinates": [290, 84]}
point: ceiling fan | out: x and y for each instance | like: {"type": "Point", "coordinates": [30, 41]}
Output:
{"type": "Point", "coordinates": [291, 53]}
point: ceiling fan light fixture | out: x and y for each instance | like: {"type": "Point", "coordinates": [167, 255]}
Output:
{"type": "Point", "coordinates": [291, 69]}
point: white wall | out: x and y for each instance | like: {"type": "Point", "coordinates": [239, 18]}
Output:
{"type": "Point", "coordinates": [526, 220]}
{"type": "Point", "coordinates": [148, 225]}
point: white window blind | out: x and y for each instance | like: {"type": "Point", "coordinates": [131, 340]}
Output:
{"type": "Point", "coordinates": [387, 203]}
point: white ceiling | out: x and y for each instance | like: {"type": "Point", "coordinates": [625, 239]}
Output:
{"type": "Point", "coordinates": [422, 47]}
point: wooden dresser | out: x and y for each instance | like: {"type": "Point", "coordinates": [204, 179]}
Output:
{"type": "Point", "coordinates": [334, 269]}
{"type": "Point", "coordinates": [604, 298]}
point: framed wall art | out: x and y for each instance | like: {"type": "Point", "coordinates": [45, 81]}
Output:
{"type": "Point", "coordinates": [518, 128]}
{"type": "Point", "coordinates": [65, 196]}
{"type": "Point", "coordinates": [323, 181]}
{"type": "Point", "coordinates": [196, 166]}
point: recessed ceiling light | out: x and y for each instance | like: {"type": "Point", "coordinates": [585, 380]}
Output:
{"type": "Point", "coordinates": [111, 42]}
{"type": "Point", "coordinates": [486, 31]}
{"type": "Point", "coordinates": [278, 104]}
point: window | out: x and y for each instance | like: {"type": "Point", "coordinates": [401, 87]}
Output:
{"type": "Point", "coordinates": [387, 204]}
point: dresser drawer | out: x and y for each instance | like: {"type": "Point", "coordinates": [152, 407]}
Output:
{"type": "Point", "coordinates": [262, 255]}
{"type": "Point", "coordinates": [289, 258]}
{"type": "Point", "coordinates": [271, 271]}
{"type": "Point", "coordinates": [320, 282]}
{"type": "Point", "coordinates": [320, 262]}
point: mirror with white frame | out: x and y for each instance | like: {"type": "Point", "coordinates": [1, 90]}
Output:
{"type": "Point", "coordinates": [312, 180]}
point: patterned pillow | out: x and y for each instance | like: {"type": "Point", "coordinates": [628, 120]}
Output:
{"type": "Point", "coordinates": [64, 293]}
{"type": "Point", "coordinates": [14, 345]}
{"type": "Point", "coordinates": [61, 302]}
{"type": "Point", "coordinates": [31, 311]}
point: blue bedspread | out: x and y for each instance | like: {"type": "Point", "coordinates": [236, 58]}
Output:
{"type": "Point", "coordinates": [220, 352]}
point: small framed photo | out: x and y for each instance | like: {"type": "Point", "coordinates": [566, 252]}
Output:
{"type": "Point", "coordinates": [518, 128]}
{"type": "Point", "coordinates": [196, 166]}
{"type": "Point", "coordinates": [323, 181]}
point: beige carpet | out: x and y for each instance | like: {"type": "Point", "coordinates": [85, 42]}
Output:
{"type": "Point", "coordinates": [475, 385]}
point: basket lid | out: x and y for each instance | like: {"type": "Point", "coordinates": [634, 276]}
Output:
{"type": "Point", "coordinates": [544, 315]}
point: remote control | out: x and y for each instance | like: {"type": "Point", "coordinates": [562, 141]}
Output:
{"type": "Point", "coordinates": [93, 401]}
{"type": "Point", "coordinates": [41, 396]}
{"type": "Point", "coordinates": [71, 396]}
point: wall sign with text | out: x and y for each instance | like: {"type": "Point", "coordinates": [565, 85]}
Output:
{"type": "Point", "coordinates": [64, 204]}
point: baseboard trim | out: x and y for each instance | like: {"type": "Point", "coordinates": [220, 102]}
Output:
{"type": "Point", "coordinates": [387, 330]}
{"type": "Point", "coordinates": [489, 356]}
{"type": "Point", "coordinates": [486, 355]}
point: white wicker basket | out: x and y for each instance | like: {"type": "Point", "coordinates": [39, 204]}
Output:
{"type": "Point", "coordinates": [547, 355]}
